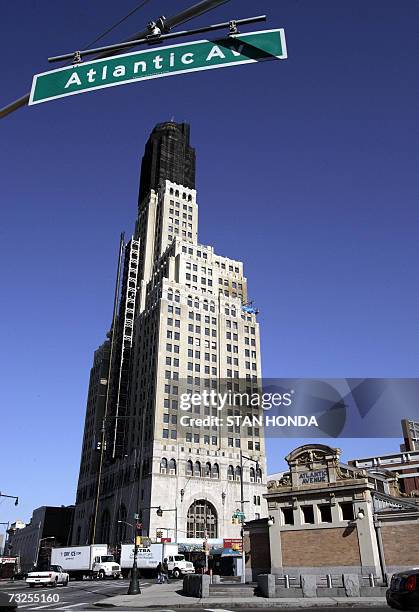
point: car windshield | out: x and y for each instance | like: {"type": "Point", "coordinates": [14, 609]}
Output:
{"type": "Point", "coordinates": [179, 557]}
{"type": "Point", "coordinates": [107, 559]}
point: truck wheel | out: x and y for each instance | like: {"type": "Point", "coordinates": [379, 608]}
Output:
{"type": "Point", "coordinates": [65, 583]}
{"type": "Point", "coordinates": [177, 573]}
{"type": "Point", "coordinates": [55, 583]}
{"type": "Point", "coordinates": [101, 575]}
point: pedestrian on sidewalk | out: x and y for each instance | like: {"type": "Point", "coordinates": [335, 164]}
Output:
{"type": "Point", "coordinates": [159, 570]}
{"type": "Point", "coordinates": [165, 571]}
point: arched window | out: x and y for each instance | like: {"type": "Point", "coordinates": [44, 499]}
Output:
{"type": "Point", "coordinates": [105, 526]}
{"type": "Point", "coordinates": [172, 466]}
{"type": "Point", "coordinates": [230, 472]}
{"type": "Point", "coordinates": [121, 527]}
{"type": "Point", "coordinates": [163, 466]}
{"type": "Point", "coordinates": [252, 474]}
{"type": "Point", "coordinates": [197, 470]}
{"type": "Point", "coordinates": [215, 471]}
{"type": "Point", "coordinates": [208, 470]}
{"type": "Point", "coordinates": [201, 520]}
{"type": "Point", "coordinates": [189, 468]}
{"type": "Point", "coordinates": [238, 473]}
{"type": "Point", "coordinates": [258, 475]}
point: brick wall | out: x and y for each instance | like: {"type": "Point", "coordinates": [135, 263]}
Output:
{"type": "Point", "coordinates": [320, 547]}
{"type": "Point", "coordinates": [401, 543]}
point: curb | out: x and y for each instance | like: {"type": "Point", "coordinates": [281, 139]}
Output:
{"type": "Point", "coordinates": [308, 603]}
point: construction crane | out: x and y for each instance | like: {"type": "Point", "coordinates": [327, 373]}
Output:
{"type": "Point", "coordinates": [161, 26]}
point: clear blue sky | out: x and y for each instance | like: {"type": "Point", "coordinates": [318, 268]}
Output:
{"type": "Point", "coordinates": [311, 162]}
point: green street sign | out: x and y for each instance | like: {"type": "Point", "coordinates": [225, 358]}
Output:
{"type": "Point", "coordinates": [154, 63]}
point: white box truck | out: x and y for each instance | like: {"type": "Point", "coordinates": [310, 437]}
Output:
{"type": "Point", "coordinates": [92, 561]}
{"type": "Point", "coordinates": [148, 557]}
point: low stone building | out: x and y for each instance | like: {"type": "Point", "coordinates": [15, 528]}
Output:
{"type": "Point", "coordinates": [327, 517]}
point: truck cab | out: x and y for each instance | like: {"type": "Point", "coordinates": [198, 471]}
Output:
{"type": "Point", "coordinates": [105, 566]}
{"type": "Point", "coordinates": [178, 566]}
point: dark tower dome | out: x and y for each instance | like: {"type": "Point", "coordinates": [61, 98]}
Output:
{"type": "Point", "coordinates": [167, 155]}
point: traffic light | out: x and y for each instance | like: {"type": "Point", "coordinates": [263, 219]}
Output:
{"type": "Point", "coordinates": [159, 511]}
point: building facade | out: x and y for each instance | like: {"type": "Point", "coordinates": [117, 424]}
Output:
{"type": "Point", "coordinates": [403, 464]}
{"type": "Point", "coordinates": [329, 518]}
{"type": "Point", "coordinates": [183, 328]}
{"type": "Point", "coordinates": [30, 543]}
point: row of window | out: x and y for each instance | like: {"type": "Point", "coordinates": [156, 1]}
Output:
{"type": "Point", "coordinates": [176, 213]}
{"type": "Point", "coordinates": [234, 284]}
{"type": "Point", "coordinates": [185, 196]}
{"type": "Point", "coordinates": [209, 470]}
{"type": "Point", "coordinates": [194, 279]}
{"type": "Point", "coordinates": [176, 231]}
{"type": "Point", "coordinates": [197, 438]}
{"type": "Point", "coordinates": [177, 222]}
{"type": "Point", "coordinates": [197, 316]}
{"type": "Point", "coordinates": [324, 513]}
{"type": "Point", "coordinates": [194, 268]}
{"type": "Point", "coordinates": [190, 251]}
{"type": "Point", "coordinates": [223, 266]}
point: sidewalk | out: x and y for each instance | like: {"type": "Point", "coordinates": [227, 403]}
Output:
{"type": "Point", "coordinates": [169, 596]}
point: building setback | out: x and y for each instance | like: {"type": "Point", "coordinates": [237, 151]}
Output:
{"type": "Point", "coordinates": [181, 327]}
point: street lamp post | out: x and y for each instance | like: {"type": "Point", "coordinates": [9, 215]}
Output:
{"type": "Point", "coordinates": [134, 584]}
{"type": "Point", "coordinates": [11, 496]}
{"type": "Point", "coordinates": [130, 525]}
{"type": "Point", "coordinates": [242, 502]}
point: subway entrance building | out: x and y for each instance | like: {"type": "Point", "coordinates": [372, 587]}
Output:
{"type": "Point", "coordinates": [327, 517]}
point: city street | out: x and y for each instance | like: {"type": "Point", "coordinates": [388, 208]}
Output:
{"type": "Point", "coordinates": [83, 595]}
{"type": "Point", "coordinates": [77, 596]}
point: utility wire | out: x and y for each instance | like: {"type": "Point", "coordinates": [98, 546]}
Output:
{"type": "Point", "coordinates": [115, 25]}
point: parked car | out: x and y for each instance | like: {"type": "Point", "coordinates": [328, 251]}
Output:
{"type": "Point", "coordinates": [52, 576]}
{"type": "Point", "coordinates": [403, 593]}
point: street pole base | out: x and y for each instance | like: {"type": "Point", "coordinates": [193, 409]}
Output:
{"type": "Point", "coordinates": [134, 585]}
